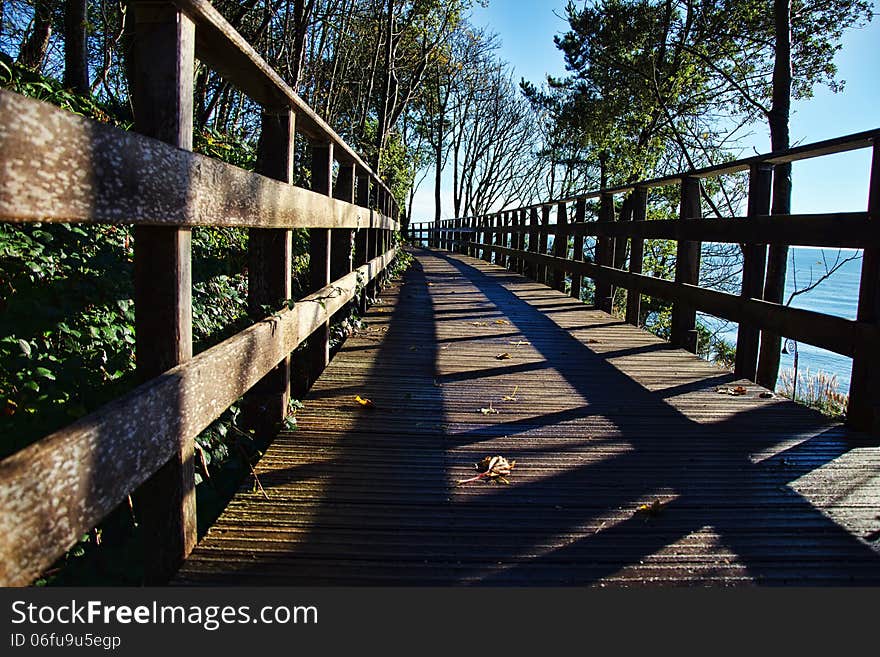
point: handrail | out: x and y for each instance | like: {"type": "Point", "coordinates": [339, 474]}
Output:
{"type": "Point", "coordinates": [64, 168]}
{"type": "Point", "coordinates": [503, 234]}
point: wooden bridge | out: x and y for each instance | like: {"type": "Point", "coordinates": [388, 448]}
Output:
{"type": "Point", "coordinates": [636, 462]}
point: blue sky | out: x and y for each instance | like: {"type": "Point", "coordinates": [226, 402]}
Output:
{"type": "Point", "coordinates": [833, 184]}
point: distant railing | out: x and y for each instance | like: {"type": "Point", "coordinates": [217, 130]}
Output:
{"type": "Point", "coordinates": [519, 238]}
{"type": "Point", "coordinates": [58, 167]}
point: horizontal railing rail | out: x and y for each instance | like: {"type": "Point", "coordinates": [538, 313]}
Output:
{"type": "Point", "coordinates": [518, 239]}
{"type": "Point", "coordinates": [58, 167]}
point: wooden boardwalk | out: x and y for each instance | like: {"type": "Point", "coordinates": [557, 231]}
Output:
{"type": "Point", "coordinates": [600, 417]}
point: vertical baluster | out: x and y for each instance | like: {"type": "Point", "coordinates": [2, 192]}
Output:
{"type": "Point", "coordinates": [319, 259]}
{"type": "Point", "coordinates": [863, 412]}
{"type": "Point", "coordinates": [531, 267]}
{"type": "Point", "coordinates": [269, 272]}
{"type": "Point", "coordinates": [604, 298]}
{"type": "Point", "coordinates": [754, 265]}
{"type": "Point", "coordinates": [560, 246]}
{"type": "Point", "coordinates": [580, 214]}
{"type": "Point", "coordinates": [639, 201]}
{"type": "Point", "coordinates": [543, 239]}
{"type": "Point", "coordinates": [362, 236]}
{"type": "Point", "coordinates": [162, 96]}
{"type": "Point", "coordinates": [687, 268]}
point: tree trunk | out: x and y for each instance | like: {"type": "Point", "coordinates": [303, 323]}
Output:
{"type": "Point", "coordinates": [385, 96]}
{"type": "Point", "coordinates": [778, 118]}
{"type": "Point", "coordinates": [76, 51]}
{"type": "Point", "coordinates": [33, 49]}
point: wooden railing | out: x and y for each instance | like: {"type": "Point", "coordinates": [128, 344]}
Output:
{"type": "Point", "coordinates": [58, 167]}
{"type": "Point", "coordinates": [518, 239]}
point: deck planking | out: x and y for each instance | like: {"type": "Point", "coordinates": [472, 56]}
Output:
{"type": "Point", "coordinates": [601, 418]}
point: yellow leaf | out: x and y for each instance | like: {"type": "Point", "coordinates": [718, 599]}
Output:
{"type": "Point", "coordinates": [363, 401]}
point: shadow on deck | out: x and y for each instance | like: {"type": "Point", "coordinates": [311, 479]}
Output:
{"type": "Point", "coordinates": [600, 418]}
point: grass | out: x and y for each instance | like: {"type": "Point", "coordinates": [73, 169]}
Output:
{"type": "Point", "coordinates": [817, 390]}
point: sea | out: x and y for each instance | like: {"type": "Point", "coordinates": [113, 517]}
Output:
{"type": "Point", "coordinates": [838, 295]}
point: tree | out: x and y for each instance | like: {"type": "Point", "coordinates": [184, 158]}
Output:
{"type": "Point", "coordinates": [76, 52]}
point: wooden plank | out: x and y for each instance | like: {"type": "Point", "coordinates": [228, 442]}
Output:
{"type": "Point", "coordinates": [687, 269]}
{"type": "Point", "coordinates": [606, 419]}
{"type": "Point", "coordinates": [754, 266]}
{"type": "Point", "coordinates": [269, 274]}
{"type": "Point", "coordinates": [362, 237]}
{"type": "Point", "coordinates": [863, 412]}
{"type": "Point", "coordinates": [55, 490]}
{"type": "Point", "coordinates": [59, 167]}
{"type": "Point", "coordinates": [639, 201]}
{"type": "Point", "coordinates": [221, 47]}
{"type": "Point", "coordinates": [162, 93]}
{"type": "Point", "coordinates": [829, 332]}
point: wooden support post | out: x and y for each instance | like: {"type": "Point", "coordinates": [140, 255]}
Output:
{"type": "Point", "coordinates": [754, 265]}
{"type": "Point", "coordinates": [580, 214]}
{"type": "Point", "coordinates": [687, 268]}
{"type": "Point", "coordinates": [485, 237]}
{"type": "Point", "coordinates": [362, 236]}
{"type": "Point", "coordinates": [319, 259]}
{"type": "Point", "coordinates": [639, 201]}
{"type": "Point", "coordinates": [269, 274]}
{"type": "Point", "coordinates": [342, 239]}
{"type": "Point", "coordinates": [521, 240]}
{"type": "Point", "coordinates": [543, 240]}
{"type": "Point", "coordinates": [604, 297]}
{"type": "Point", "coordinates": [163, 52]}
{"type": "Point", "coordinates": [498, 258]}
{"type": "Point", "coordinates": [863, 412]}
{"type": "Point", "coordinates": [531, 268]}
{"type": "Point", "coordinates": [560, 246]}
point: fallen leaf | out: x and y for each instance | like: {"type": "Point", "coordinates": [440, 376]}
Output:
{"type": "Point", "coordinates": [652, 509]}
{"type": "Point", "coordinates": [502, 322]}
{"type": "Point", "coordinates": [504, 356]}
{"type": "Point", "coordinates": [363, 401]}
{"type": "Point", "coordinates": [519, 343]}
{"type": "Point", "coordinates": [479, 323]}
{"type": "Point", "coordinates": [593, 341]}
{"type": "Point", "coordinates": [735, 392]}
{"type": "Point", "coordinates": [489, 411]}
{"type": "Point", "coordinates": [512, 396]}
{"type": "Point", "coordinates": [495, 468]}
{"type": "Point", "coordinates": [766, 395]}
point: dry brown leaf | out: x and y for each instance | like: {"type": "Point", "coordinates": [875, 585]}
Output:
{"type": "Point", "coordinates": [479, 323]}
{"type": "Point", "coordinates": [363, 401]}
{"type": "Point", "coordinates": [504, 356]}
{"type": "Point", "coordinates": [495, 468]}
{"type": "Point", "coordinates": [735, 392]}
{"type": "Point", "coordinates": [489, 411]}
{"type": "Point", "coordinates": [766, 395]}
{"type": "Point", "coordinates": [652, 509]}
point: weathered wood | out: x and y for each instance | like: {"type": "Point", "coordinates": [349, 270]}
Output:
{"type": "Point", "coordinates": [222, 48]}
{"type": "Point", "coordinates": [754, 265]}
{"type": "Point", "coordinates": [863, 412]}
{"type": "Point", "coordinates": [55, 490]}
{"type": "Point", "coordinates": [752, 490]}
{"type": "Point", "coordinates": [639, 201]}
{"type": "Point", "coordinates": [687, 269]}
{"type": "Point", "coordinates": [560, 246]}
{"type": "Point", "coordinates": [269, 274]}
{"type": "Point", "coordinates": [341, 239]}
{"type": "Point", "coordinates": [604, 298]}
{"type": "Point", "coordinates": [162, 95]}
{"type": "Point", "coordinates": [543, 241]}
{"type": "Point", "coordinates": [580, 215]}
{"type": "Point", "coordinates": [530, 270]}
{"type": "Point", "coordinates": [318, 352]}
{"type": "Point", "coordinates": [829, 332]}
{"type": "Point", "coordinates": [362, 237]}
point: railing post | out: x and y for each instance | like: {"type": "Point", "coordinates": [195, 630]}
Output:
{"type": "Point", "coordinates": [530, 269]}
{"type": "Point", "coordinates": [580, 215]}
{"type": "Point", "coordinates": [163, 54]}
{"type": "Point", "coordinates": [342, 239]}
{"type": "Point", "coordinates": [499, 259]}
{"type": "Point", "coordinates": [604, 296]}
{"type": "Point", "coordinates": [639, 200]}
{"type": "Point", "coordinates": [269, 272]}
{"type": "Point", "coordinates": [754, 265]}
{"type": "Point", "coordinates": [863, 412]}
{"type": "Point", "coordinates": [484, 238]}
{"type": "Point", "coordinates": [362, 236]}
{"type": "Point", "coordinates": [543, 239]}
{"type": "Point", "coordinates": [521, 240]}
{"type": "Point", "coordinates": [560, 246]}
{"type": "Point", "coordinates": [319, 259]}
{"type": "Point", "coordinates": [687, 268]}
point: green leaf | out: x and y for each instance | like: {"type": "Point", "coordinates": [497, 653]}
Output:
{"type": "Point", "coordinates": [43, 372]}
{"type": "Point", "coordinates": [25, 348]}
